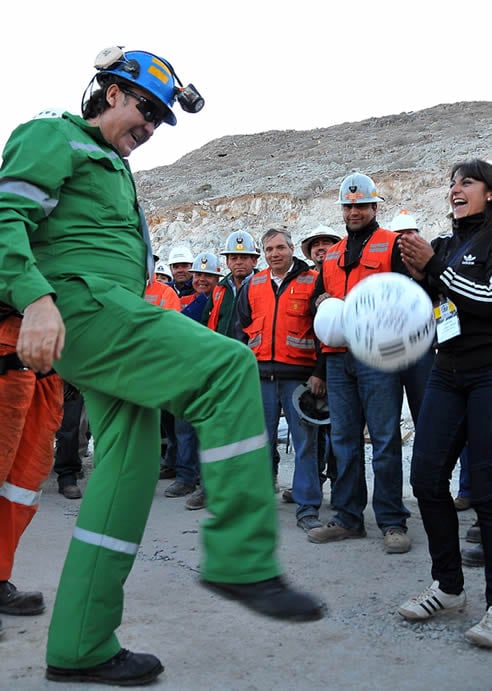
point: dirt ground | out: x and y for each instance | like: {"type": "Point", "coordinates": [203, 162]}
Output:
{"type": "Point", "coordinates": [214, 645]}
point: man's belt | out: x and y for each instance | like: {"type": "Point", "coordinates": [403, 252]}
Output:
{"type": "Point", "coordinates": [12, 361]}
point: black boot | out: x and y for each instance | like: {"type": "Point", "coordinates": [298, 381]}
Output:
{"type": "Point", "coordinates": [272, 598]}
{"type": "Point", "coordinates": [473, 556]}
{"type": "Point", "coordinates": [473, 533]}
{"type": "Point", "coordinates": [13, 601]}
{"type": "Point", "coordinates": [67, 485]}
{"type": "Point", "coordinates": [124, 669]}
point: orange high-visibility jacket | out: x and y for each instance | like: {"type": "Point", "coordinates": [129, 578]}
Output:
{"type": "Point", "coordinates": [281, 326]}
{"type": "Point", "coordinates": [375, 258]}
{"type": "Point", "coordinates": [162, 295]}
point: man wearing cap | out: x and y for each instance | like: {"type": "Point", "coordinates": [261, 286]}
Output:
{"type": "Point", "coordinates": [74, 258]}
{"type": "Point", "coordinates": [358, 394]}
{"type": "Point", "coordinates": [315, 245]}
{"type": "Point", "coordinates": [276, 323]}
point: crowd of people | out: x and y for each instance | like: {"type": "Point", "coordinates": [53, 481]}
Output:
{"type": "Point", "coordinates": [78, 341]}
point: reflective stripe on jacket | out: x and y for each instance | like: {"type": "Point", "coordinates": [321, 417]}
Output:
{"type": "Point", "coordinates": [162, 295]}
{"type": "Point", "coordinates": [217, 298]}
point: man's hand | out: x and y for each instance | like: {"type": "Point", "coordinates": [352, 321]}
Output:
{"type": "Point", "coordinates": [42, 335]}
{"type": "Point", "coordinates": [415, 253]}
{"type": "Point", "coordinates": [317, 386]}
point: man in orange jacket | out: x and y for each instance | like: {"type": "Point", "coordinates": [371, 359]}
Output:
{"type": "Point", "coordinates": [160, 293]}
{"type": "Point", "coordinates": [31, 411]}
{"type": "Point", "coordinates": [274, 314]}
{"type": "Point", "coordinates": [357, 393]}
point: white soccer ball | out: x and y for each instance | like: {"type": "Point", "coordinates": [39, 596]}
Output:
{"type": "Point", "coordinates": [388, 321]}
{"type": "Point", "coordinates": [328, 323]}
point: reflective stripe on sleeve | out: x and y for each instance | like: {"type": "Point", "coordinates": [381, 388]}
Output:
{"type": "Point", "coordinates": [223, 453]}
{"type": "Point", "coordinates": [28, 191]}
{"type": "Point", "coordinates": [84, 146]}
{"type": "Point", "coordinates": [20, 495]}
{"type": "Point", "coordinates": [99, 540]}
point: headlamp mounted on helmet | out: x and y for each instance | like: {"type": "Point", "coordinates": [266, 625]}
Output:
{"type": "Point", "coordinates": [151, 73]}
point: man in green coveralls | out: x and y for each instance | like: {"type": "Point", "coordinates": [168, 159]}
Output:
{"type": "Point", "coordinates": [73, 249]}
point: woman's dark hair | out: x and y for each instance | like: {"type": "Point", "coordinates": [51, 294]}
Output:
{"type": "Point", "coordinates": [475, 168]}
{"type": "Point", "coordinates": [97, 103]}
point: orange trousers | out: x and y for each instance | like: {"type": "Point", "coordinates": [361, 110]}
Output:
{"type": "Point", "coordinates": [31, 411]}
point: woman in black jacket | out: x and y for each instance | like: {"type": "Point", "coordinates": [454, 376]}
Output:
{"type": "Point", "coordinates": [456, 270]}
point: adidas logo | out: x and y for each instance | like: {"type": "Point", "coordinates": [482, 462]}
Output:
{"type": "Point", "coordinates": [468, 260]}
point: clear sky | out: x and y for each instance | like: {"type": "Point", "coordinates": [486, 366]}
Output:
{"type": "Point", "coordinates": [261, 64]}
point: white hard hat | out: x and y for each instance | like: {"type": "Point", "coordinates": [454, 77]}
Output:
{"type": "Point", "coordinates": [320, 231]}
{"type": "Point", "coordinates": [309, 407]}
{"type": "Point", "coordinates": [180, 255]}
{"type": "Point", "coordinates": [206, 263]}
{"type": "Point", "coordinates": [328, 323]}
{"type": "Point", "coordinates": [404, 220]}
{"type": "Point", "coordinates": [162, 268]}
{"type": "Point", "coordinates": [358, 188]}
{"type": "Point", "coordinates": [240, 242]}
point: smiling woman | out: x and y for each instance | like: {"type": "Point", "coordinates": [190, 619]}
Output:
{"type": "Point", "coordinates": [456, 270]}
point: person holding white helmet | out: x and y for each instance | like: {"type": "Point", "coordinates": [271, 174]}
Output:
{"type": "Point", "coordinates": [358, 394]}
{"type": "Point", "coordinates": [75, 256]}
{"type": "Point", "coordinates": [275, 320]}
{"type": "Point", "coordinates": [314, 246]}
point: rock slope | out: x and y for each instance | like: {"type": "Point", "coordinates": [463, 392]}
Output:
{"type": "Point", "coordinates": [292, 177]}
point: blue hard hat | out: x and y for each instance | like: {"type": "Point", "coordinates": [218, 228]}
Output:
{"type": "Point", "coordinates": [146, 70]}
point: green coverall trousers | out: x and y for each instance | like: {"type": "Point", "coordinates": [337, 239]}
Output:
{"type": "Point", "coordinates": [130, 359]}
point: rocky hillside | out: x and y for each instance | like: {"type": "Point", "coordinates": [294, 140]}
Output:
{"type": "Point", "coordinates": [292, 177]}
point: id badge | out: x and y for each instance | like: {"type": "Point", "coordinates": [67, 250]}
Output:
{"type": "Point", "coordinates": [447, 321]}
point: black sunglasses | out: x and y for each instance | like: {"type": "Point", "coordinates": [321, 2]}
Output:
{"type": "Point", "coordinates": [150, 111]}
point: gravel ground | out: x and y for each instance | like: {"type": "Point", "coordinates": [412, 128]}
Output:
{"type": "Point", "coordinates": [210, 644]}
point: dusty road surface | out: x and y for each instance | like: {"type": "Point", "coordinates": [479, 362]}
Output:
{"type": "Point", "coordinates": [208, 644]}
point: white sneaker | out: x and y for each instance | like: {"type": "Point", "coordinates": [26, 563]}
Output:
{"type": "Point", "coordinates": [481, 633]}
{"type": "Point", "coordinates": [432, 601]}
